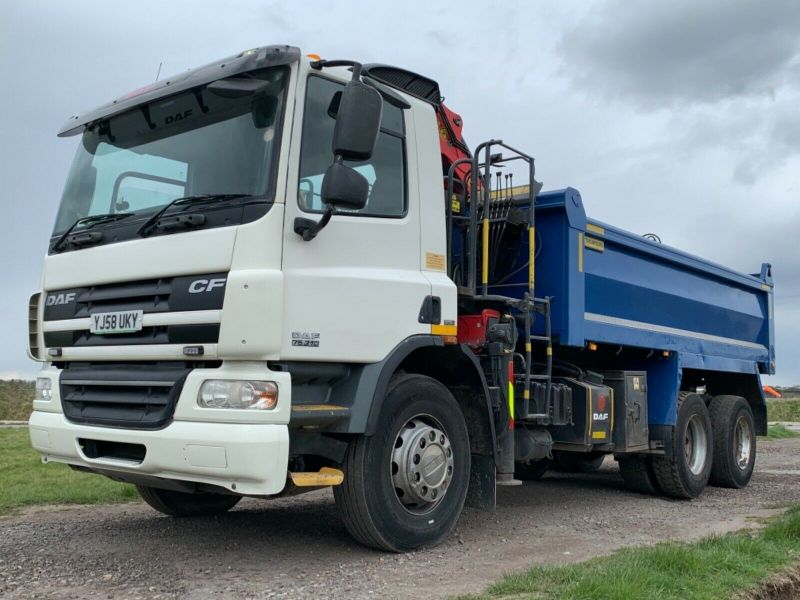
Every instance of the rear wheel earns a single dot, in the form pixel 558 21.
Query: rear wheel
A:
pixel 578 462
pixel 531 471
pixel 405 486
pixel 685 473
pixel 182 504
pixel 637 473
pixel 734 435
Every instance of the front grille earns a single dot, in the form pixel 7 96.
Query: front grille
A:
pixel 166 334
pixel 183 294
pixel 167 294
pixel 140 395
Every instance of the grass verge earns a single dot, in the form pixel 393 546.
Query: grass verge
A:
pixel 783 410
pixel 24 480
pixel 16 397
pixel 715 567
pixel 778 431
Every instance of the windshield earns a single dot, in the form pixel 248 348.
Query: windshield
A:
pixel 203 141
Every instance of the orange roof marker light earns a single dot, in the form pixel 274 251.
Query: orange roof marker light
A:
pixel 314 56
pixel 771 391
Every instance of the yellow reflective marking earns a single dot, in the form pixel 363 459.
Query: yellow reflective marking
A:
pixel 317 407
pixel 594 244
pixel 595 229
pixel 528 347
pixel 532 256
pixel 549 351
pixel 511 400
pixel 444 329
pixel 598 435
pixel 526 394
pixel 485 253
pixel 580 253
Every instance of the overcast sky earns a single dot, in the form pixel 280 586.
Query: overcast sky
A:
pixel 676 117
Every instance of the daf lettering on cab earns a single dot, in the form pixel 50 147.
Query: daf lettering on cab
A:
pixel 277 273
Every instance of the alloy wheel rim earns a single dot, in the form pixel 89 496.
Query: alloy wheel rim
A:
pixel 421 464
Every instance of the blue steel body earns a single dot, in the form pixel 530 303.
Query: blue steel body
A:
pixel 622 289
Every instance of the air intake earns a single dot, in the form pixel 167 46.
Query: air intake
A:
pixel 416 85
pixel 33 327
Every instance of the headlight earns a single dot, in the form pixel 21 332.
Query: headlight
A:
pixel 44 388
pixel 219 393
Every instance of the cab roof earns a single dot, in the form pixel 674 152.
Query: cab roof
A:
pixel 249 60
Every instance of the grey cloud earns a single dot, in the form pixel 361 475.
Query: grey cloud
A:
pixel 683 51
pixel 778 140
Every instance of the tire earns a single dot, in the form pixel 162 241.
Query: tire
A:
pixel 531 471
pixel 381 501
pixel 578 462
pixel 734 435
pixel 183 504
pixel 637 474
pixel 679 475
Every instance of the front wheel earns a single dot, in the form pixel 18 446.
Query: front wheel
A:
pixel 405 486
pixel 182 504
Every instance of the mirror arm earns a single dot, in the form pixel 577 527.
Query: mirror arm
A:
pixel 308 229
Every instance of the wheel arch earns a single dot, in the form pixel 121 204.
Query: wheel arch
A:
pixel 458 369
pixel 719 383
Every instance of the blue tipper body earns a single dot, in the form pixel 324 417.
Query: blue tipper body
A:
pixel 610 286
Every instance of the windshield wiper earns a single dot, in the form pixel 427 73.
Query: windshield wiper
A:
pixel 151 223
pixel 91 221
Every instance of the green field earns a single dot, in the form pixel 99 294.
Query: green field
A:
pixel 15 399
pixel 714 568
pixel 24 480
pixel 779 432
pixel 783 410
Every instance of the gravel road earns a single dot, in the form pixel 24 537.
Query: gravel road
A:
pixel 298 548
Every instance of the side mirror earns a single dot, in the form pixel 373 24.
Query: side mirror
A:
pixel 343 187
pixel 358 121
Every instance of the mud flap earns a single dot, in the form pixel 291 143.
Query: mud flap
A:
pixel 482 490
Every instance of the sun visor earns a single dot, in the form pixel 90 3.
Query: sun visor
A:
pixel 249 60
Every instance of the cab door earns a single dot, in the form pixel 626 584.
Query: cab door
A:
pixel 356 290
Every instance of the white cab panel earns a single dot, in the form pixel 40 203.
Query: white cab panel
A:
pixel 357 288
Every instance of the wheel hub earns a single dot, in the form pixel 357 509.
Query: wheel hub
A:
pixel 742 443
pixel 695 445
pixel 422 464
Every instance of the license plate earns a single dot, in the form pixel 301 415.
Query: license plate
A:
pixel 126 321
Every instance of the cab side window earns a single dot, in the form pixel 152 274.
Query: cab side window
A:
pixel 385 171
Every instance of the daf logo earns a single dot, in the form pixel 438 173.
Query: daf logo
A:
pixel 54 299
pixel 179 117
pixel 205 285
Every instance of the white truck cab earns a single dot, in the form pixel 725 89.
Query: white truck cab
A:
pixel 168 345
